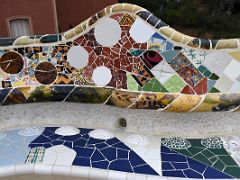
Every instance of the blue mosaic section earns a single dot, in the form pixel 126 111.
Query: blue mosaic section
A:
pixel 178 165
pixel 109 154
pixel 14 148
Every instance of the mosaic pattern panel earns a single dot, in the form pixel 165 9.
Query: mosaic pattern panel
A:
pixel 204 158
pixel 125 49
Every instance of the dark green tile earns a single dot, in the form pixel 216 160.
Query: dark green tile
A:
pixel 154 86
pixel 196 143
pixel 228 160
pixel 207 73
pixel 214 90
pixel 201 158
pixel 195 150
pixel 219 165
pixel 234 171
pixel 221 151
pixel 136 52
pixel 214 77
pixel 213 159
pixel 205 43
pixel 207 153
pixel 202 69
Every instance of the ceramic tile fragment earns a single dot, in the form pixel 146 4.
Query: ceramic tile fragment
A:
pixel 140 31
pixel 108 36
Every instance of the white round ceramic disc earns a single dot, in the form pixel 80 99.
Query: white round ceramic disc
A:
pixel 102 134
pixel 101 76
pixel 108 32
pixel 67 131
pixel 78 57
pixel 141 32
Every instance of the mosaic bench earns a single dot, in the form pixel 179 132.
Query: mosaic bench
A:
pixel 126 57
pixel 123 56
pixel 105 154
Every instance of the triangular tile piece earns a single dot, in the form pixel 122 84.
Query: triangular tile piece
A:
pixel 187 90
pixel 169 55
pixel 154 86
pixel 201 87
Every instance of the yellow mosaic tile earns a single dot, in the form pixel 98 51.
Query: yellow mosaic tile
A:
pixel 184 103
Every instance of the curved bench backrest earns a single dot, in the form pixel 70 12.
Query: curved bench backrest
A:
pixel 126 57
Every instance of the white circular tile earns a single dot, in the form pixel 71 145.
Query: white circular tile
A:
pixel 108 32
pixel 102 134
pixel 137 140
pixel 67 131
pixel 2 135
pixel 78 57
pixel 141 32
pixel 101 76
pixel 31 131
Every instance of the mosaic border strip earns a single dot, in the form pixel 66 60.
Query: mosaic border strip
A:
pixel 150 18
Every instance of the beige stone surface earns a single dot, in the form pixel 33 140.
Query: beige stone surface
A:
pixel 101 116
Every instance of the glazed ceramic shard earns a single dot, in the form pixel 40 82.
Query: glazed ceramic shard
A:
pixel 101 76
pixel 78 57
pixel 126 57
pixel 67 131
pixel 108 32
pixel 102 134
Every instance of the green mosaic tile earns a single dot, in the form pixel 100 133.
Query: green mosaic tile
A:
pixel 131 83
pixel 136 52
pixel 228 160
pixel 207 73
pixel 202 159
pixel 194 150
pixel 217 158
pixel 219 165
pixel 220 152
pixel 214 90
pixel 202 69
pixel 214 77
pixel 213 159
pixel 207 153
pixel 175 84
pixel 154 86
pixel 234 171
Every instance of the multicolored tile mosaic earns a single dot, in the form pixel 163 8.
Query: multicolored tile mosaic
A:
pixel 125 49
pixel 205 158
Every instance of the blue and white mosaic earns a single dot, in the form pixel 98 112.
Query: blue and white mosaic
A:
pixel 133 153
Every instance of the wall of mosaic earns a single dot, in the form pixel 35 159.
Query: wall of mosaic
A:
pixel 126 57
pixel 146 155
